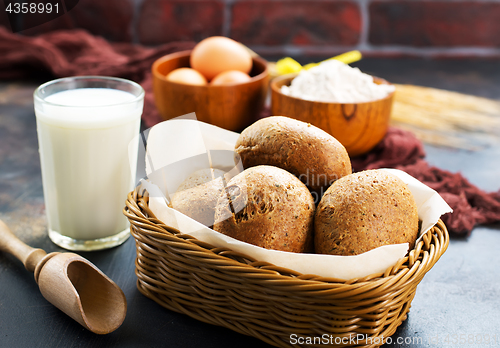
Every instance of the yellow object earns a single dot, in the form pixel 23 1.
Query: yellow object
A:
pixel 289 65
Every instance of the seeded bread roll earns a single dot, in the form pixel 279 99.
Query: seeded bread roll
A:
pixel 304 150
pixel 363 211
pixel 268 207
pixel 197 196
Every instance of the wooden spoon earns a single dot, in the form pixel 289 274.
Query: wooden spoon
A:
pixel 72 284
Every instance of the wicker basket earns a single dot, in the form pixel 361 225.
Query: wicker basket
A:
pixel 222 287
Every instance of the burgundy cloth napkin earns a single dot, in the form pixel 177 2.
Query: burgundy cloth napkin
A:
pixel 76 52
pixel 402 150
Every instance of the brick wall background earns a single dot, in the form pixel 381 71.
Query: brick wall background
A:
pixel 274 28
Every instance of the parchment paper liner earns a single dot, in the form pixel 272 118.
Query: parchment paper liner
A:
pixel 178 147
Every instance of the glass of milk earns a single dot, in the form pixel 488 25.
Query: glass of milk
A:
pixel 85 127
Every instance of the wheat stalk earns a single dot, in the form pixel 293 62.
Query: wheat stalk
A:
pixel 447 118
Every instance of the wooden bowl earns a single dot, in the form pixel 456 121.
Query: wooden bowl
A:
pixel 232 107
pixel 358 126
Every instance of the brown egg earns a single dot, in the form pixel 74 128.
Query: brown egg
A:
pixel 187 76
pixel 218 54
pixel 230 77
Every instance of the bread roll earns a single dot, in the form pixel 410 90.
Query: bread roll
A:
pixel 268 207
pixel 304 150
pixel 197 196
pixel 363 211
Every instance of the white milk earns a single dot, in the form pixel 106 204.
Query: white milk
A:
pixel 83 137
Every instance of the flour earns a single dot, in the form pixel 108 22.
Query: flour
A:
pixel 335 82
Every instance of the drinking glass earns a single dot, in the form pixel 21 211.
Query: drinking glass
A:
pixel 87 127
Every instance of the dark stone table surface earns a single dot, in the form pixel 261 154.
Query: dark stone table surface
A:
pixel 457 304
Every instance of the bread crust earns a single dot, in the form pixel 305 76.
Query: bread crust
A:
pixel 268 207
pixel 306 151
pixel 363 211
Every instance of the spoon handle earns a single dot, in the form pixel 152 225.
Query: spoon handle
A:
pixel 27 255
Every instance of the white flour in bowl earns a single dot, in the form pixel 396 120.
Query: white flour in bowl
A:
pixel 335 82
